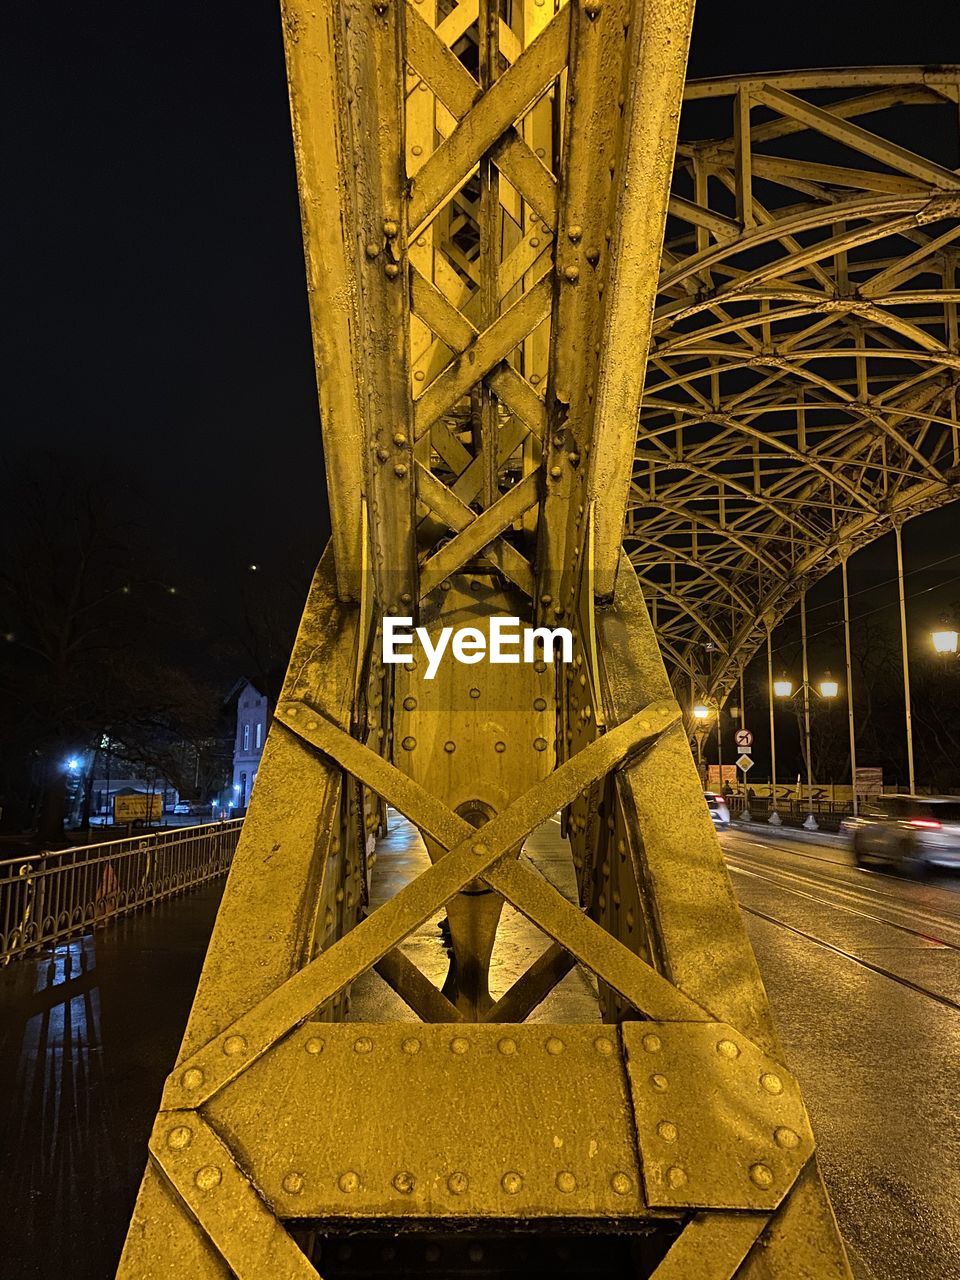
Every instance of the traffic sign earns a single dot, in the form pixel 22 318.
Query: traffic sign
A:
pixel 744 763
pixel 744 738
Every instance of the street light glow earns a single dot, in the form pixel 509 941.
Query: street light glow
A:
pixel 945 641
pixel 829 688
pixel 700 712
pixel 783 687
pixel 73 764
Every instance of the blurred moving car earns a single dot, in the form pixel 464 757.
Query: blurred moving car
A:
pixel 911 833
pixel 182 807
pixel 718 809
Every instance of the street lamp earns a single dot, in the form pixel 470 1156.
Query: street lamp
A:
pixel 701 714
pixel 826 688
pixel 945 640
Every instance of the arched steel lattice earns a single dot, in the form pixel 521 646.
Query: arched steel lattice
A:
pixel 801 391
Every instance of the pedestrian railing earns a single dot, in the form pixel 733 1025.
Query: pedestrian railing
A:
pixel 52 896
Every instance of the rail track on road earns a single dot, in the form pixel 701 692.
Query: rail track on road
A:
pixel 877 902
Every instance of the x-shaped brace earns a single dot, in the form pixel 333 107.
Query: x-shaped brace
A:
pixel 470 854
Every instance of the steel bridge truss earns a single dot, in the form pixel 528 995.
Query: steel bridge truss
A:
pixel 484 194
pixel 801 392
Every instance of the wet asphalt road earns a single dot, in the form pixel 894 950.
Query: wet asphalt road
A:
pixel 863 973
pixel 862 970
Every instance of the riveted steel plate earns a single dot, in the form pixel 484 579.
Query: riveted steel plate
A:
pixel 720 1124
pixel 441 1121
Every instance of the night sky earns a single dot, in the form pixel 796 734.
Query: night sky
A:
pixel 155 313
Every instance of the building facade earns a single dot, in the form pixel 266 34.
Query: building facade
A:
pixel 252 717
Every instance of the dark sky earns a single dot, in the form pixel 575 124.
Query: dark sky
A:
pixel 154 309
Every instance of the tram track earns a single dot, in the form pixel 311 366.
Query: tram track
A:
pixel 850 955
pixel 872 904
pixel 787 881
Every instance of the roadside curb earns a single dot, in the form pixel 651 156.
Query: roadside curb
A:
pixel 789 833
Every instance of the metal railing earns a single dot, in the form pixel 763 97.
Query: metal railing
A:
pixel 828 813
pixel 51 896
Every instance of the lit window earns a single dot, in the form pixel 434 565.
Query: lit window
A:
pixel 259 735
pixel 246 737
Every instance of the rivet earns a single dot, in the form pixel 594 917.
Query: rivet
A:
pixel 404 1182
pixel 500 747
pixel 390 229
pixel 676 1176
pixel 727 1049
pixel 419 375
pixel 772 1083
pixel 363 1045
pixel 234 1045
pixel 293 1183
pixel 179 1137
pixel 371 249
pixel 406 598
pixel 314 1045
pixel 603 1046
pixel 572 273
pixel 411 1045
pixel 507 1046
pixel 474 693
pixel 667 1131
pixel 659 1082
pixel 417 149
pixel 539 704
pixel 540 744
pixel 554 1046
pixel 192 1078
pixel 556 472
pixel 459 1045
pixel 312 724
pixel 208 1177
pixel 621 1184
pixel 400 470
pixel 592 8
pixel 293 712
pixel 575 233
pixel 458 1183
pixel 761 1176
pixel 652 1044
pixel 566 1182
pixel 408 743
pixel 449 747
pixel 511 1182
pixel 786 1138
pixel 348 1181
pixel 409 704
pixel 391 271
pixel 399 439
pixel 480 849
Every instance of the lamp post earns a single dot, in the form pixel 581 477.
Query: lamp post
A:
pixel 826 689
pixel 906 659
pixel 774 818
pixel 850 721
pixel 701 714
